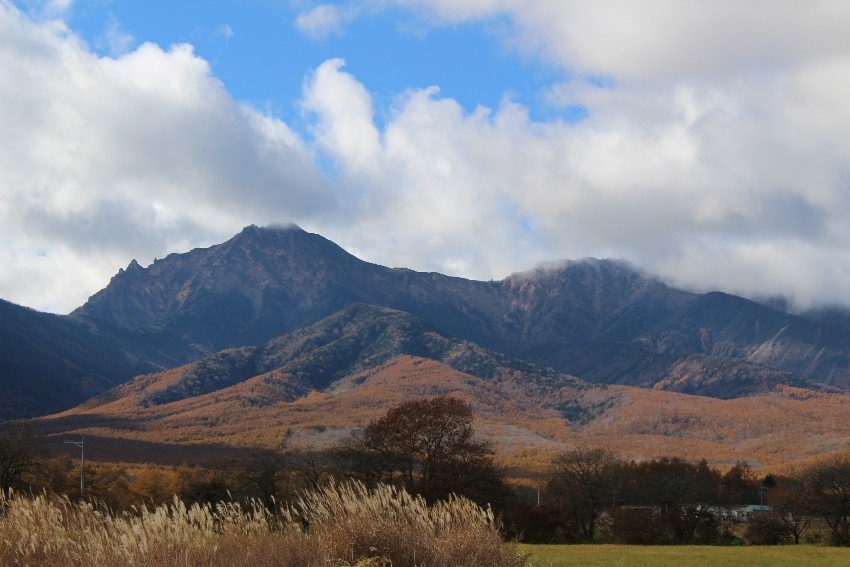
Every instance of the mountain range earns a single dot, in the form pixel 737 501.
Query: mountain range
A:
pixel 275 314
pixel 601 320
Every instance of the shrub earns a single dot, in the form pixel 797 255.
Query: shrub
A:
pixel 766 530
pixel 637 526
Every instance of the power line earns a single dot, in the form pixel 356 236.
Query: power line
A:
pixel 81 444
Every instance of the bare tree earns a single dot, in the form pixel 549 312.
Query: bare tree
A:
pixel 264 475
pixel 351 458
pixel 828 495
pixel 311 466
pixel 788 501
pixel 17 453
pixel 584 482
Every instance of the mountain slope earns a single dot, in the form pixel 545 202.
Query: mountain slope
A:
pixel 636 330
pixel 51 362
pixel 333 355
pixel 243 291
pixel 232 394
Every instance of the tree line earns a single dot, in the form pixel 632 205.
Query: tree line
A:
pixel 593 495
pixel 429 447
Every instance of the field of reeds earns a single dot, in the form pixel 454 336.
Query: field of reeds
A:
pixel 339 525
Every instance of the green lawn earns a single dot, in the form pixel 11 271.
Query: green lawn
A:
pixel 683 556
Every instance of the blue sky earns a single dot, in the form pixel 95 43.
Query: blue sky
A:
pixel 702 141
pixel 256 48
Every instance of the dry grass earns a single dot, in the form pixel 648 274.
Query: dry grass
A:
pixel 339 525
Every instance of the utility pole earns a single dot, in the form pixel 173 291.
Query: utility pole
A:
pixel 81 444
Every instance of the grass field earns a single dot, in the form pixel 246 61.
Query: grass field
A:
pixel 683 556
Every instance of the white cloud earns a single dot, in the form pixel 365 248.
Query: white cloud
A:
pixel 49 8
pixel 321 21
pixel 134 156
pixel 346 128
pixel 115 40
pixel 224 31
pixel 659 40
pixel 719 166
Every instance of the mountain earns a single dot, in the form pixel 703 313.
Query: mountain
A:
pixel 603 321
pixel 268 281
pixel 578 317
pixel 249 289
pixel 607 322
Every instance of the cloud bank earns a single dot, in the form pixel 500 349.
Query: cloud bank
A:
pixel 713 152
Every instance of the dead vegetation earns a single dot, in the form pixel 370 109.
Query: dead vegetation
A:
pixel 344 524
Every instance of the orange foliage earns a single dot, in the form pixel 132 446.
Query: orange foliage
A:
pixel 526 423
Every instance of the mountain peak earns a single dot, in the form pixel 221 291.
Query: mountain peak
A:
pixel 589 264
pixel 261 283
pixel 284 239
pixel 132 267
pixel 253 230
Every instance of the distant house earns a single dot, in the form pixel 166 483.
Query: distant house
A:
pixel 747 513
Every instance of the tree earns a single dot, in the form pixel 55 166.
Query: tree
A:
pixel 584 482
pixel 740 485
pixel 107 484
pixel 351 458
pixel 431 443
pixel 263 475
pixel 17 453
pixel 766 529
pixel 153 486
pixel 677 492
pixel 311 467
pixel 828 495
pixel 788 501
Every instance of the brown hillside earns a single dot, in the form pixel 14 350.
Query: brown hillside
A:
pixel 526 424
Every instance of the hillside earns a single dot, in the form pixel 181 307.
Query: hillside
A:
pixel 771 430
pixel 362 358
pixel 318 384
pixel 50 362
